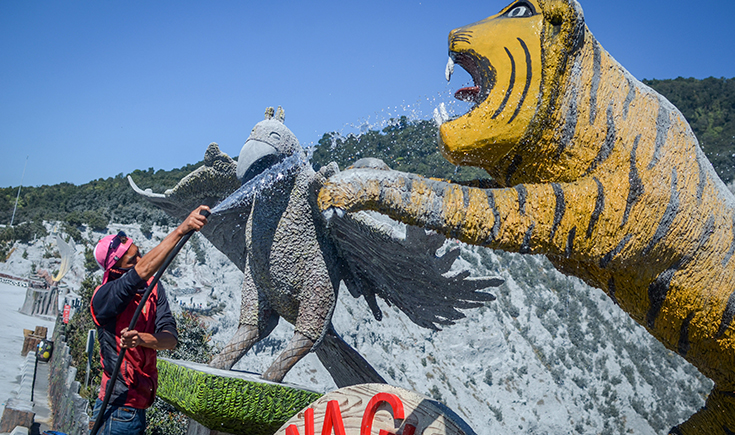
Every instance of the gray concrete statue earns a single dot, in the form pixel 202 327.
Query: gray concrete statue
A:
pixel 293 262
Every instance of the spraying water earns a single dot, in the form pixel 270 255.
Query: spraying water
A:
pixel 248 191
pixel 416 111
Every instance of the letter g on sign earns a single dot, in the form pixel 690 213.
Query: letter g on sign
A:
pixel 367 419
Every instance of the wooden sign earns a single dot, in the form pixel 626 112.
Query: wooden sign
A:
pixel 375 409
pixel 67 311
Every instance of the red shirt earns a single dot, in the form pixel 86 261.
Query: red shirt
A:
pixel 113 305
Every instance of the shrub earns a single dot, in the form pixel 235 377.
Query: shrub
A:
pixel 73 232
pixel 147 229
pixel 496 412
pixel 196 245
pixel 76 338
pixel 488 377
pixel 23 232
pixel 194 340
pixel 164 419
pixel 75 219
pixel 96 220
pixel 435 393
pixel 90 263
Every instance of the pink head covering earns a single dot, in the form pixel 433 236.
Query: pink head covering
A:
pixel 110 249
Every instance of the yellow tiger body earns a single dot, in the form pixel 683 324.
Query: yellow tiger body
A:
pixel 604 176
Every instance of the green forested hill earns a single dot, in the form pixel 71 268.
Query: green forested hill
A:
pixel 708 104
pixel 95 202
pixel 404 146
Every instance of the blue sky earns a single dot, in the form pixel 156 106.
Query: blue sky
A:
pixel 93 89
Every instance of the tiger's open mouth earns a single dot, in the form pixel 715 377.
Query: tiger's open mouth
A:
pixel 476 94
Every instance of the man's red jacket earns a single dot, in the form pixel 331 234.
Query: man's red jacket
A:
pixel 112 307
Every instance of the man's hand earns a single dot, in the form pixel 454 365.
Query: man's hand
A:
pixel 195 221
pixel 159 341
pixel 149 263
pixel 129 339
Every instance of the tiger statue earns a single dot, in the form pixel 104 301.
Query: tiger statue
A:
pixel 595 170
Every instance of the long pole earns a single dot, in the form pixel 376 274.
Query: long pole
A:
pixel 133 321
pixel 18 195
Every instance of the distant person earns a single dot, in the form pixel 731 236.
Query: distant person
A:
pixel 126 277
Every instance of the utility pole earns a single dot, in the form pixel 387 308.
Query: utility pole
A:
pixel 18 196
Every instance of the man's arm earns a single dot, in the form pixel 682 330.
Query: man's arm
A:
pixel 160 341
pixel 152 261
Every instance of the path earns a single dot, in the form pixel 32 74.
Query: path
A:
pixel 12 323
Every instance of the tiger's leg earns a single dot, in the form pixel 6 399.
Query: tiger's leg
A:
pixel 552 218
pixel 257 320
pixel 717 417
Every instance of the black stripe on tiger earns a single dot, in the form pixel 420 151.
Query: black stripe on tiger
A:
pixel 496 215
pixel 510 85
pixel 512 168
pixel 559 210
pixel 457 230
pixel 466 197
pixel 522 194
pixel 628 98
pixel 526 245
pixel 634 181
pixel 461 36
pixel 684 345
pixel 668 217
pixel 611 291
pixel 658 290
pixel 663 123
pixel 607 258
pixel 570 242
pixel 407 191
pixel 608 144
pixel 729 253
pixel 597 61
pixel 529 74
pixel 727 316
pixel 599 207
pixel 572 116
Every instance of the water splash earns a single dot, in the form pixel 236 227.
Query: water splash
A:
pixel 248 191
pixel 419 110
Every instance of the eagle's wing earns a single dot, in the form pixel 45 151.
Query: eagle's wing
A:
pixel 208 185
pixel 401 266
pixel 404 270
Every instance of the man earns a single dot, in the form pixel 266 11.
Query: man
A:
pixel 127 275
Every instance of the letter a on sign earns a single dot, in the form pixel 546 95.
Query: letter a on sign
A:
pixel 333 420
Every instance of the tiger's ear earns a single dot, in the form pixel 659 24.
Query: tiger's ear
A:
pixel 269 113
pixel 280 115
pixel 565 22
